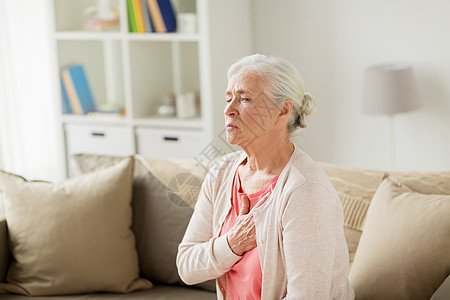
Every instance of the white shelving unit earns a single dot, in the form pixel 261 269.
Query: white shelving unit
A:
pixel 137 69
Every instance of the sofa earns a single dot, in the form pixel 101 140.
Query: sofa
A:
pixel 396 225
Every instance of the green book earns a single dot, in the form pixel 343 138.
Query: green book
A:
pixel 131 16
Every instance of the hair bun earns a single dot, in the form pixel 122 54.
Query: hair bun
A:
pixel 307 108
pixel 308 104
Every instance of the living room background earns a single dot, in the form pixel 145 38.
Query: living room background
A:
pixel 330 42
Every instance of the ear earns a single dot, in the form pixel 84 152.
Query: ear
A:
pixel 286 108
pixel 285 112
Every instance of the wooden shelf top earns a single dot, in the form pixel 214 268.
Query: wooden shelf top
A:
pixel 116 35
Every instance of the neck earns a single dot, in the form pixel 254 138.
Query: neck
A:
pixel 269 156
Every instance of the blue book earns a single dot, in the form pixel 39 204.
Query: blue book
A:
pixel 82 88
pixel 168 15
pixel 66 107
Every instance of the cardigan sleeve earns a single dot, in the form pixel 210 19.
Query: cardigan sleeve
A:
pixel 311 225
pixel 201 256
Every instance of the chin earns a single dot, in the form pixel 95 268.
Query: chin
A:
pixel 232 139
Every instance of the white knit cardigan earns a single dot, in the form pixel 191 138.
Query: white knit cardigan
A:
pixel 299 231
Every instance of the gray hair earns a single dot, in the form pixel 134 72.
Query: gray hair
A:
pixel 283 82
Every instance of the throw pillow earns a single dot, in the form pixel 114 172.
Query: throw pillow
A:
pixel 443 291
pixel 4 252
pixel 164 193
pixel 73 237
pixel 403 252
pixel 355 187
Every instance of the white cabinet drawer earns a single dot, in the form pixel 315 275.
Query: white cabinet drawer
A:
pixel 108 140
pixel 169 143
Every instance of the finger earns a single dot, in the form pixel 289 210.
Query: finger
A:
pixel 262 201
pixel 245 205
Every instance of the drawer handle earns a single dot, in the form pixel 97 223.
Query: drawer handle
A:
pixel 171 138
pixel 101 134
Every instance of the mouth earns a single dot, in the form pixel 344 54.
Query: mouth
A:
pixel 231 126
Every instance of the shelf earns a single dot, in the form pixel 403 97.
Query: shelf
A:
pixel 88 35
pixel 163 122
pixel 195 123
pixel 85 119
pixel 175 37
pixel 98 36
pixel 139 70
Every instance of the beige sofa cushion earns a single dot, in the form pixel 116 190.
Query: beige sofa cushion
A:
pixel 404 249
pixel 355 187
pixel 443 292
pixel 73 237
pixel 164 193
pixel 4 251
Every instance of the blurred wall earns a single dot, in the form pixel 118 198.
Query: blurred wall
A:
pixel 332 42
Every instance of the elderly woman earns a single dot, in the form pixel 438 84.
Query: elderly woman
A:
pixel 268 224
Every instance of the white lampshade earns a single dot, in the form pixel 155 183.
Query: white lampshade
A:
pixel 390 89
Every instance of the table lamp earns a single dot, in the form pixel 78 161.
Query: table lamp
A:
pixel 390 89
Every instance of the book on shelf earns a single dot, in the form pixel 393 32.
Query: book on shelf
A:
pixel 151 16
pixel 138 16
pixel 66 107
pixel 71 92
pixel 146 15
pixel 162 15
pixel 155 14
pixel 168 15
pixel 78 90
pixel 131 17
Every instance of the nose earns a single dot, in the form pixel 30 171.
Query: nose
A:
pixel 231 109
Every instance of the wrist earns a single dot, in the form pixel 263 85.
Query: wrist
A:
pixel 233 247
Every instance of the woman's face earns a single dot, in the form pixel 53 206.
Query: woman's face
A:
pixel 249 114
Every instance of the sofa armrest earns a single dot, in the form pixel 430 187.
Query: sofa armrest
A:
pixel 4 251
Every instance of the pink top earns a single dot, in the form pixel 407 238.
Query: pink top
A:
pixel 245 277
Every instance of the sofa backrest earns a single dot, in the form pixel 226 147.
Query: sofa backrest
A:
pixel 424 182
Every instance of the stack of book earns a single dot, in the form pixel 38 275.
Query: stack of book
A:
pixel 151 16
pixel 109 110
